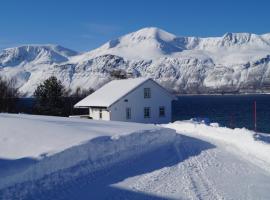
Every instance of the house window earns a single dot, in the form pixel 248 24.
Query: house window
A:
pixel 161 111
pixel 147 112
pixel 100 113
pixel 147 93
pixel 128 113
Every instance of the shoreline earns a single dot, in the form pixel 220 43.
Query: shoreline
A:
pixel 227 94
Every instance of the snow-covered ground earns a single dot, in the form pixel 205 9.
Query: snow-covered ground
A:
pixel 65 158
pixel 36 136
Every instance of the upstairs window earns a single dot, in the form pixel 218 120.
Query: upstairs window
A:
pixel 161 111
pixel 147 112
pixel 147 93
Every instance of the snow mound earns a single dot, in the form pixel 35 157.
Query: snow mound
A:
pixel 85 145
pixel 253 146
pixel 35 136
pixel 131 161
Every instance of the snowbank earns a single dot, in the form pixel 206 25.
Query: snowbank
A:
pixel 253 146
pixel 88 159
pixel 38 136
pixel 97 145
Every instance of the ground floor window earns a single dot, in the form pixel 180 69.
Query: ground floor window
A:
pixel 161 111
pixel 100 113
pixel 147 112
pixel 128 113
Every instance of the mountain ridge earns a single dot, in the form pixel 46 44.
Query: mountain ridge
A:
pixel 232 63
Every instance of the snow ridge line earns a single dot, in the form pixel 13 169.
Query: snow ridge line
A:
pixel 94 155
pixel 252 146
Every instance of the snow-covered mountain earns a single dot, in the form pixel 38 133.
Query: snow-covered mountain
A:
pixel 235 62
pixel 34 54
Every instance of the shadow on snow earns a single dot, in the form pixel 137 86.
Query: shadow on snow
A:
pixel 10 167
pixel 99 184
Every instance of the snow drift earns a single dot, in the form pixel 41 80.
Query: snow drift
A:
pixel 97 145
pixel 38 136
pixel 252 146
pixel 86 159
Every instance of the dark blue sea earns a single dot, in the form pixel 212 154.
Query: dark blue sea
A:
pixel 228 110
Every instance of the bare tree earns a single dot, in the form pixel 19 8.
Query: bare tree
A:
pixel 9 95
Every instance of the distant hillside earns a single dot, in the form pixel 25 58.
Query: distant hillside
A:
pixel 233 63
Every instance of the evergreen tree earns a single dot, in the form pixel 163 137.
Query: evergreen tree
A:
pixel 50 97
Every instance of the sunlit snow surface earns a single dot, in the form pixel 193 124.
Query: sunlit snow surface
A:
pixel 33 136
pixel 61 158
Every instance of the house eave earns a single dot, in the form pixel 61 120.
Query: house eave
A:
pixel 90 107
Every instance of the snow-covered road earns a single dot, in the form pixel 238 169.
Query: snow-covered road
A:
pixel 205 170
pixel 200 162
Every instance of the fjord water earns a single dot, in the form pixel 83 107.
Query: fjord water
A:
pixel 228 110
pixel 235 111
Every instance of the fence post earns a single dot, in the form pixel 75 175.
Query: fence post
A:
pixel 255 116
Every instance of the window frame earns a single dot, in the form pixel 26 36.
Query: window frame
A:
pixel 145 111
pixel 147 93
pixel 164 111
pixel 128 113
pixel 100 113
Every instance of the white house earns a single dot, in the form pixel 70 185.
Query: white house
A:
pixel 133 100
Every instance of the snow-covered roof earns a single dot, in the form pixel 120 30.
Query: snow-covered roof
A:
pixel 110 93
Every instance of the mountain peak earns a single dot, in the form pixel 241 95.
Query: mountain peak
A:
pixel 232 62
pixel 39 47
pixel 239 36
pixel 146 43
pixel 230 39
pixel 39 53
pixel 152 33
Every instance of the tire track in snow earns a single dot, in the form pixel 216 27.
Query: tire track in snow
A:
pixel 199 184
pixel 186 179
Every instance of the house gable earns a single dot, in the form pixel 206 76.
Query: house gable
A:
pixel 155 84
pixel 134 104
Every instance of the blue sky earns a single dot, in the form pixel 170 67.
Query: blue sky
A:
pixel 83 25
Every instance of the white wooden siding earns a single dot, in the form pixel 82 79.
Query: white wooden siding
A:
pixel 136 101
pixel 94 113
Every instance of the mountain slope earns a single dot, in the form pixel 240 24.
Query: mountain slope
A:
pixel 235 62
pixel 38 54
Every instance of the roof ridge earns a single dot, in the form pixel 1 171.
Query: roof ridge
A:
pixel 146 79
pixel 109 94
